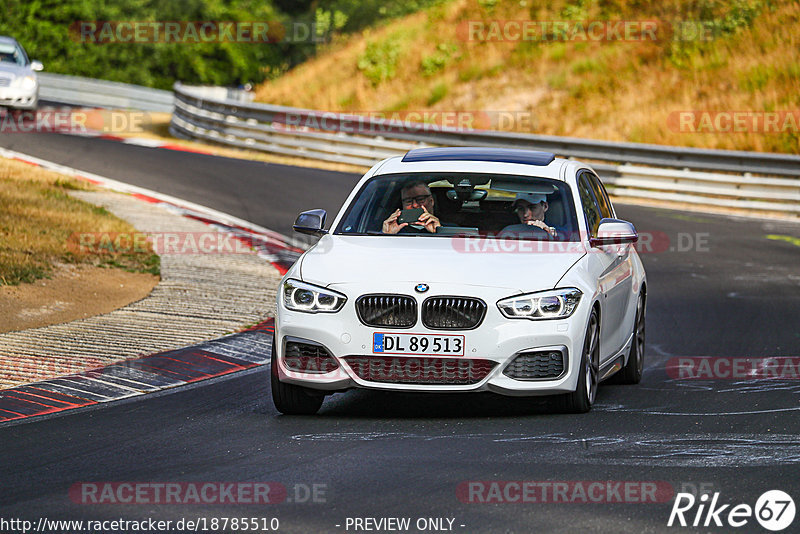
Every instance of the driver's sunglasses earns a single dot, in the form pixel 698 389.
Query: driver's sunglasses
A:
pixel 410 201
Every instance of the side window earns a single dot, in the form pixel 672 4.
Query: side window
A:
pixel 600 194
pixel 22 57
pixel 590 208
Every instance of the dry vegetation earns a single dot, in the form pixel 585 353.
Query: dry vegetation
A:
pixel 613 90
pixel 37 218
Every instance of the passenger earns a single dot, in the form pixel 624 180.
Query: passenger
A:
pixel 414 195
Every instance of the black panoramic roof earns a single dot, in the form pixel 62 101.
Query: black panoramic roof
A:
pixel 469 153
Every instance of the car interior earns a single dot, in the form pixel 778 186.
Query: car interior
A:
pixel 492 215
pixel 9 54
pixel 466 205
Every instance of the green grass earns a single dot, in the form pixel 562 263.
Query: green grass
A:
pixel 473 72
pixel 438 92
pixel 587 65
pixel 556 51
pixel 557 80
pixel 399 105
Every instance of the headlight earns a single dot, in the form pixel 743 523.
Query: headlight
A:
pixel 554 304
pixel 299 296
pixel 26 82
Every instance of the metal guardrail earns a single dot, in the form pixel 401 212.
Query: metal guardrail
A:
pixel 630 170
pixel 215 110
pixel 100 93
pixel 89 92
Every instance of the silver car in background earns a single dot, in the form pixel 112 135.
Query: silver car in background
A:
pixel 19 85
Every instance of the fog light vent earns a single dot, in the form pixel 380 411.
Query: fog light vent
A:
pixel 536 365
pixel 308 358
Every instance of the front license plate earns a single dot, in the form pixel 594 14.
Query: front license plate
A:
pixel 392 343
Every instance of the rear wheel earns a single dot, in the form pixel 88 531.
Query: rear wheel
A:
pixel 290 399
pixel 581 400
pixel 632 372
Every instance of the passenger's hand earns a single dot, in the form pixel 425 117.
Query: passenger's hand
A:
pixel 390 225
pixel 429 221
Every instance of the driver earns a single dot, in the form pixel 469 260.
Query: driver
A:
pixel 416 194
pixel 530 208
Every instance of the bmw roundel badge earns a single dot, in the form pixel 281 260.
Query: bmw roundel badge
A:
pixel 421 288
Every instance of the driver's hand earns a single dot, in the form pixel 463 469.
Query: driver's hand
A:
pixel 429 221
pixel 390 225
pixel 543 226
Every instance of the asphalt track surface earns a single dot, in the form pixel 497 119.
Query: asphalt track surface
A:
pixel 736 294
pixel 267 194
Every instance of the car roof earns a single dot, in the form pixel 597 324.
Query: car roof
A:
pixel 7 39
pixel 477 160
pixel 469 153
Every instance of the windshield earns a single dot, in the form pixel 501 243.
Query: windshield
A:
pixel 10 53
pixel 465 204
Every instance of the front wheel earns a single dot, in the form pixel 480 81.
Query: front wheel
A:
pixel 581 400
pixel 290 399
pixel 632 372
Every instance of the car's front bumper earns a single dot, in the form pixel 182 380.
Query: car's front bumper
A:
pixel 497 340
pixel 18 98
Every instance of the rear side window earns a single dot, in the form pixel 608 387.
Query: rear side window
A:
pixel 600 194
pixel 590 208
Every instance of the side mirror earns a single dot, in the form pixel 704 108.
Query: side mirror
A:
pixel 311 222
pixel 614 232
pixel 37 65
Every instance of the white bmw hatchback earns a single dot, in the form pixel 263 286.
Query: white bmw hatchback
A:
pixel 463 270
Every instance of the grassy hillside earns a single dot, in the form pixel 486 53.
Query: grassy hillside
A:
pixel 619 90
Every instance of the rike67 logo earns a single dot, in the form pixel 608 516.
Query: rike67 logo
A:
pixel 774 510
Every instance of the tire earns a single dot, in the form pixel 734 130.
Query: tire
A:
pixel 581 400
pixel 632 372
pixel 290 399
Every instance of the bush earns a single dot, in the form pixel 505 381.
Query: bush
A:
pixel 439 92
pixel 436 62
pixel 379 60
pixel 48 31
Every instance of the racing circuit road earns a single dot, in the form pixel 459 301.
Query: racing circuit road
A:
pixel 736 294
